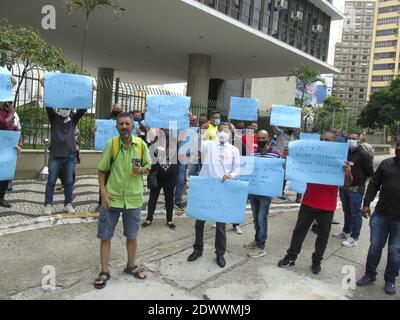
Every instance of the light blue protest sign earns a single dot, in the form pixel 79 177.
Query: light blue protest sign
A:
pixel 267 177
pixel 317 162
pixel 6 93
pixel 210 199
pixel 245 109
pixel 8 154
pixel 64 90
pixel 285 116
pixel 309 136
pixel 299 187
pixel 167 112
pixel 105 130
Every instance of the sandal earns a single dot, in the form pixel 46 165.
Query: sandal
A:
pixel 101 280
pixel 146 223
pixel 171 225
pixel 136 274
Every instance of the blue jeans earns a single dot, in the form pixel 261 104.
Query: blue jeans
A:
pixel 180 182
pixel 383 228
pixel 55 163
pixel 352 202
pixel 260 207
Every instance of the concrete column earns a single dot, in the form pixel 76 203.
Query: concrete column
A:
pixel 104 100
pixel 199 81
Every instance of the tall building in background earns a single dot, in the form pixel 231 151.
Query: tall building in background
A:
pixel 386 41
pixel 353 54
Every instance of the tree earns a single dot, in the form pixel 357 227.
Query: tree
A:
pixel 305 75
pixel 88 7
pixel 23 45
pixel 383 108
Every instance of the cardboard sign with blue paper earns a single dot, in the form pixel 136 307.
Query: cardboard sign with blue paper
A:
pixel 245 109
pixel 310 136
pixel 299 187
pixel 64 90
pixel 285 116
pixel 317 162
pixel 167 112
pixel 8 154
pixel 105 130
pixel 267 177
pixel 210 199
pixel 6 91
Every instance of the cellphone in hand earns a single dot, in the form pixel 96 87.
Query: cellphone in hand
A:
pixel 136 162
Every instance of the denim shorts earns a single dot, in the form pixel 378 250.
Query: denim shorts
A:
pixel 108 220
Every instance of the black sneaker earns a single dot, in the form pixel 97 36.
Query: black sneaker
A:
pixel 286 262
pixel 316 268
pixel 4 203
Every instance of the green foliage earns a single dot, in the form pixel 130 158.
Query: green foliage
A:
pixel 87 136
pixel 383 107
pixel 33 120
pixel 333 103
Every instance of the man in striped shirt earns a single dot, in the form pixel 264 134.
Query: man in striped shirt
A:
pixel 260 204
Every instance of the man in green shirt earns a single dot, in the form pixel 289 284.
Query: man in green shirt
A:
pixel 125 160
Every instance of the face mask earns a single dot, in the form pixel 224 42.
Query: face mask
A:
pixel 223 137
pixel 64 113
pixel 262 144
pixel 217 122
pixel 352 144
pixel 136 119
pixel 116 113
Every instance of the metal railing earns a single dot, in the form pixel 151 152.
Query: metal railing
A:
pixel 34 122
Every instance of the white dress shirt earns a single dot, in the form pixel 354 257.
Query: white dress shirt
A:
pixel 219 159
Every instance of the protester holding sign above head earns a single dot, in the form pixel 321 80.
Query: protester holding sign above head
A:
pixel 319 203
pixel 352 196
pixel 222 161
pixel 63 144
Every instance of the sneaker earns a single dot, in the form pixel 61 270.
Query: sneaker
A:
pixel 256 253
pixel 365 280
pixel 286 262
pixel 237 230
pixel 69 209
pixel 390 288
pixel 334 221
pixel 350 242
pixel 316 268
pixel 49 210
pixel 341 235
pixel 179 206
pixel 251 245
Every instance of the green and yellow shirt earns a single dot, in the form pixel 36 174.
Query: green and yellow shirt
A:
pixel 124 187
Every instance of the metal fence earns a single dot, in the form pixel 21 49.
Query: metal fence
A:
pixel 35 126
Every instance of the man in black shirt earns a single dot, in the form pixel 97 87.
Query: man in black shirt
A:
pixel 385 222
pixel 62 155
pixel 351 197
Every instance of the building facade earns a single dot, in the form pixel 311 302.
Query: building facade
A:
pixel 353 54
pixel 300 23
pixel 384 65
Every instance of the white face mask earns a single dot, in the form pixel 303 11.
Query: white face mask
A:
pixel 223 137
pixel 64 113
pixel 352 144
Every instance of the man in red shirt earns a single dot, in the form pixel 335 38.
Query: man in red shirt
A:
pixel 319 203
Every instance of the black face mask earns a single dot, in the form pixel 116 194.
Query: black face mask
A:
pixel 261 144
pixel 116 113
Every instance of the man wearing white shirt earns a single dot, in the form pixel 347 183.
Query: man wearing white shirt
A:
pixel 220 160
